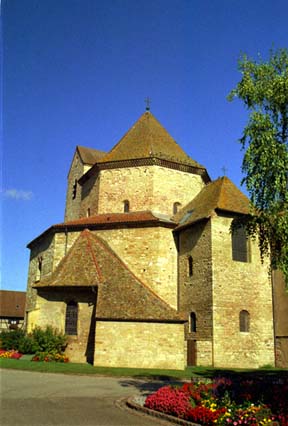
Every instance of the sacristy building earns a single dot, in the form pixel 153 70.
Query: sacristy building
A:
pixel 144 271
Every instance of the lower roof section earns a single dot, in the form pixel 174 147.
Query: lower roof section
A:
pixel 119 294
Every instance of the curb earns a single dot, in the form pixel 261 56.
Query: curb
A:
pixel 134 406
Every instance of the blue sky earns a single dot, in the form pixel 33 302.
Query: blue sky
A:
pixel 76 72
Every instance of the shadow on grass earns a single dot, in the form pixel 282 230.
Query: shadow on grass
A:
pixel 147 384
pixel 265 375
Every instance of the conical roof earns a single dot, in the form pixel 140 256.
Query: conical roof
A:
pixel 220 194
pixel 121 295
pixel 147 138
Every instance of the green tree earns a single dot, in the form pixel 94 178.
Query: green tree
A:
pixel 263 89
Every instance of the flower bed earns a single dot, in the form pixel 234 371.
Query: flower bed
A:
pixel 48 357
pixel 10 354
pixel 225 402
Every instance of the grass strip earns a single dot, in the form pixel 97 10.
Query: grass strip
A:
pixel 187 374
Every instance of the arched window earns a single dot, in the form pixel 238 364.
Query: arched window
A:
pixel 192 322
pixel 244 321
pixel 190 266
pixel 71 318
pixel 126 206
pixel 240 245
pixel 176 207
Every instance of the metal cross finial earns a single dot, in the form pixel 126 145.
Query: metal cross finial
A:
pixel 224 170
pixel 148 102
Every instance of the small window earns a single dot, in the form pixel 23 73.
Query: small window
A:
pixel 126 206
pixel 71 318
pixel 74 191
pixel 192 321
pixel 88 214
pixel 244 321
pixel 176 207
pixel 240 245
pixel 190 266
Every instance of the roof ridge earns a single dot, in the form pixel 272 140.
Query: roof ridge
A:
pixel 87 234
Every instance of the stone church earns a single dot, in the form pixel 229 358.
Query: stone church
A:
pixel 145 272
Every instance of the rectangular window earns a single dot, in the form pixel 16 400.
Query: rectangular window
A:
pixel 240 245
pixel 71 318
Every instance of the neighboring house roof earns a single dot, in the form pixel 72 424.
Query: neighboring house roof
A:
pixel 148 138
pixel 99 221
pixel 92 263
pixel 89 155
pixel 220 194
pixel 12 304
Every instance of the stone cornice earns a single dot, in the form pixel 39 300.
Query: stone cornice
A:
pixel 150 161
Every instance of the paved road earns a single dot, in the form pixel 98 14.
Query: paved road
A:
pixel 42 399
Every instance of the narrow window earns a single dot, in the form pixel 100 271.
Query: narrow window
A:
pixel 39 268
pixel 244 321
pixel 88 212
pixel 176 207
pixel 192 322
pixel 126 206
pixel 71 318
pixel 190 266
pixel 74 192
pixel 240 245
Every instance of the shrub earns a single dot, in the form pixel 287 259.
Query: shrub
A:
pixel 27 345
pixel 11 339
pixel 48 340
pixel 39 340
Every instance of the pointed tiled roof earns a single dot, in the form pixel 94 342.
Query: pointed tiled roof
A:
pixel 148 139
pixel 91 262
pixel 89 155
pixel 220 194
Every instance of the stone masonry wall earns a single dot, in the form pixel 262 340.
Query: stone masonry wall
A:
pixel 240 286
pixel 146 188
pixel 73 205
pixel 43 250
pixel 90 197
pixel 195 291
pixel 139 345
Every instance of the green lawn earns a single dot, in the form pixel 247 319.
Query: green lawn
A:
pixel 25 363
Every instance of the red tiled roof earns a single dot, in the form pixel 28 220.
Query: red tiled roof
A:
pixel 12 303
pixel 220 194
pixel 141 216
pixel 92 262
pixel 108 219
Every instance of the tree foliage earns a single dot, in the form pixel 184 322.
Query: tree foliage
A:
pixel 263 89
